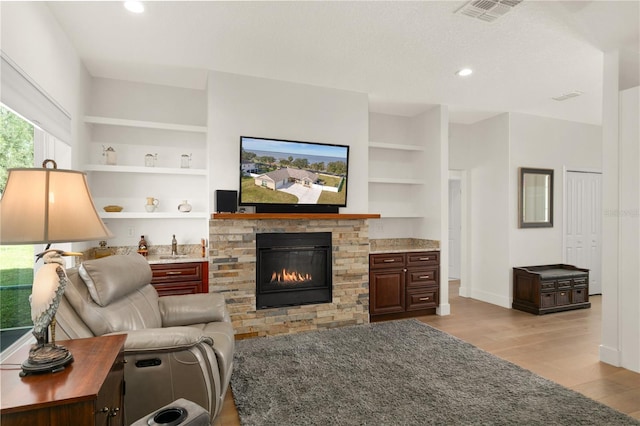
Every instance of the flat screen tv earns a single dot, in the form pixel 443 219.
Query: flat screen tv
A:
pixel 284 176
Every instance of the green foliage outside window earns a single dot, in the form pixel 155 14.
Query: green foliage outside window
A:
pixel 16 262
pixel 16 144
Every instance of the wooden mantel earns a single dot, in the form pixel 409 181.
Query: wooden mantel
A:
pixel 297 216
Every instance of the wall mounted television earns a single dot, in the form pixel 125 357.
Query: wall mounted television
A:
pixel 284 176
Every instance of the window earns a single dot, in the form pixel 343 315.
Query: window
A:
pixel 16 262
pixel 34 128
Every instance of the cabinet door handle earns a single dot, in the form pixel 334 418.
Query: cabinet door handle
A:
pixel 114 412
pixel 422 299
pixel 425 258
pixel 424 277
pixel 174 272
pixel 389 260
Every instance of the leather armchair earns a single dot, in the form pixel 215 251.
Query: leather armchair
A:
pixel 176 347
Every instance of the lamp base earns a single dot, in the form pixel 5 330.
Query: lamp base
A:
pixel 48 358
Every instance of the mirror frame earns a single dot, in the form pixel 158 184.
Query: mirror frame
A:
pixel 521 196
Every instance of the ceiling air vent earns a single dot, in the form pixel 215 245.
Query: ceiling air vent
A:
pixel 487 10
pixel 566 96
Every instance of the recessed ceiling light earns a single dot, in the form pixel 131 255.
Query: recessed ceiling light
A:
pixel 134 6
pixel 464 72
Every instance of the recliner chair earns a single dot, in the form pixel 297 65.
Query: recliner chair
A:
pixel 176 347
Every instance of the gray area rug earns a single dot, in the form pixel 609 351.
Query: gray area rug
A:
pixel 397 373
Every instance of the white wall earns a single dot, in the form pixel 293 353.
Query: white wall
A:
pixel 629 220
pixel 620 276
pixel 492 151
pixel 32 38
pixel 621 222
pixel 249 106
pixel 546 143
pixel 482 149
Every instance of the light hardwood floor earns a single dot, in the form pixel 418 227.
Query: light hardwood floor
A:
pixel 562 347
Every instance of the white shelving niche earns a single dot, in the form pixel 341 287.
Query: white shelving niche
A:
pixel 130 182
pixel 398 157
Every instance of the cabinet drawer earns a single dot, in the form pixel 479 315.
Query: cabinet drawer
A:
pixel 564 284
pixel 423 258
pixel 547 285
pixel 579 295
pixel 547 300
pixel 580 282
pixel 563 297
pixel 176 272
pixel 422 298
pixel 421 277
pixel 386 260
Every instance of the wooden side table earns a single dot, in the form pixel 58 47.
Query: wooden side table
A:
pixel 89 391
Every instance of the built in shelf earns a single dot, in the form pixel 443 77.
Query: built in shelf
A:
pixel 144 124
pixel 393 146
pixel 155 215
pixel 297 216
pixel 142 169
pixel 397 181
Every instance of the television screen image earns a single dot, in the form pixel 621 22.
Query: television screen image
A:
pixel 292 173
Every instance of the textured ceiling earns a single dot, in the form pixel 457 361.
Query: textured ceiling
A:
pixel 402 54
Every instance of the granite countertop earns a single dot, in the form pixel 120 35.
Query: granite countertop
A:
pixel 158 254
pixel 182 258
pixel 400 245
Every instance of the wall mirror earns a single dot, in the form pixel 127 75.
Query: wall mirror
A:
pixel 536 198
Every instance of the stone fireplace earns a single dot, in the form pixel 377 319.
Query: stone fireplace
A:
pixel 233 271
pixel 293 269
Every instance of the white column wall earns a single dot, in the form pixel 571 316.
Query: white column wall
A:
pixel 620 344
pixel 482 149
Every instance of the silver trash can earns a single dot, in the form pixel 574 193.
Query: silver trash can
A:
pixel 180 412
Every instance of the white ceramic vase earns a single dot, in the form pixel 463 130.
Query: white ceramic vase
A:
pixel 184 207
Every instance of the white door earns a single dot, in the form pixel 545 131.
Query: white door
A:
pixel 454 228
pixel 583 244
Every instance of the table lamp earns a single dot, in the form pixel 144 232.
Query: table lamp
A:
pixel 44 206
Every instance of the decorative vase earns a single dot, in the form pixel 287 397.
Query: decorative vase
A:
pixel 152 204
pixel 150 160
pixel 111 158
pixel 185 161
pixel 184 207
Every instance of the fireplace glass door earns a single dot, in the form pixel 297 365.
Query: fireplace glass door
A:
pixel 293 269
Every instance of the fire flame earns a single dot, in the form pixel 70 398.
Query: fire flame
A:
pixel 289 277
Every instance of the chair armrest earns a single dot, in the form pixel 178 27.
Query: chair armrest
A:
pixel 190 309
pixel 164 339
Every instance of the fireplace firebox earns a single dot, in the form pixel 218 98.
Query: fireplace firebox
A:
pixel 293 269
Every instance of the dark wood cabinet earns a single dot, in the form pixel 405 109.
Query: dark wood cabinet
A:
pixel 403 284
pixel 89 391
pixel 550 288
pixel 180 278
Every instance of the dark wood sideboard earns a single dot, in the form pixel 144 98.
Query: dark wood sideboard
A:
pixel 403 285
pixel 89 391
pixel 180 278
pixel 550 288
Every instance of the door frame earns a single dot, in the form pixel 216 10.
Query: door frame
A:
pixel 465 277
pixel 565 219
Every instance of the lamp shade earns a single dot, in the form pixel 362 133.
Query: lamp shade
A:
pixel 48 206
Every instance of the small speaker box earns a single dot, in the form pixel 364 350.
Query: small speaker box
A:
pixel 226 201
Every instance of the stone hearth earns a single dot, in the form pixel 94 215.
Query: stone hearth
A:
pixel 232 272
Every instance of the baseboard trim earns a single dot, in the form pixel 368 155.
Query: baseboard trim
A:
pixel 610 355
